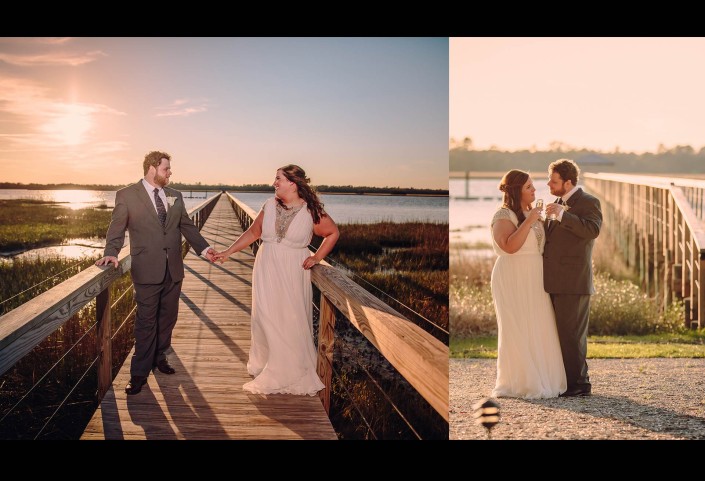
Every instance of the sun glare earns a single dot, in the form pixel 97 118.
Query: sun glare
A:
pixel 70 124
pixel 77 199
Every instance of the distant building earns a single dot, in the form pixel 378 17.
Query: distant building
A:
pixel 592 160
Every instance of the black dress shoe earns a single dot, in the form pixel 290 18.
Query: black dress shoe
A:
pixel 135 384
pixel 577 391
pixel 165 367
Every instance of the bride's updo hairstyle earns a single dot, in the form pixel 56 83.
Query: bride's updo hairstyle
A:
pixel 511 186
pixel 296 174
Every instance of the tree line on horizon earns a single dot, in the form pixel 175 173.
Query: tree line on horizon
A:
pixel 333 189
pixel 678 159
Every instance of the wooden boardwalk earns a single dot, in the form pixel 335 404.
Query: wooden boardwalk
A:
pixel 211 341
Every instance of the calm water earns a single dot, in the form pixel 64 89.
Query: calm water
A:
pixel 342 208
pixel 469 220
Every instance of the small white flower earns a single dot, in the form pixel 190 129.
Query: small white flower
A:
pixel 171 200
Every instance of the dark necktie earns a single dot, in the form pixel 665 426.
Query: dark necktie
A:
pixel 161 210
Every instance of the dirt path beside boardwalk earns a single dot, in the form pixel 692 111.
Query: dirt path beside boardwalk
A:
pixel 632 399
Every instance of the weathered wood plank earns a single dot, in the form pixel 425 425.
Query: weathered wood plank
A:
pixel 29 324
pixel 326 344
pixel 105 369
pixel 211 341
pixel 417 355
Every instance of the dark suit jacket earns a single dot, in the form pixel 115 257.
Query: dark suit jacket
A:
pixel 150 243
pixel 567 256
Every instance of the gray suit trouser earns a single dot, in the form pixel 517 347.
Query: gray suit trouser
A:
pixel 157 310
pixel 572 312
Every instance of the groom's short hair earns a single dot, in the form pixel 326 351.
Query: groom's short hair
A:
pixel 566 168
pixel 154 158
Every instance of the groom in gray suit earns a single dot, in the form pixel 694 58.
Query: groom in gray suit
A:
pixel 567 268
pixel 156 218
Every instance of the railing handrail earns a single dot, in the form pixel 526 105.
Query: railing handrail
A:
pixel 650 180
pixel 658 229
pixel 646 180
pixel 694 224
pixel 24 327
pixel 418 356
pixel 673 185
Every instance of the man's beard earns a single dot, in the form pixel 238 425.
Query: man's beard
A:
pixel 160 181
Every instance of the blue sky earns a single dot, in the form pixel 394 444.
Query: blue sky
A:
pixel 359 111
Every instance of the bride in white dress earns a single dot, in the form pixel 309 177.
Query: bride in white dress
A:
pixel 529 360
pixel 282 354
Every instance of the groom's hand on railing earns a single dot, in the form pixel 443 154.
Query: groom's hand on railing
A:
pixel 107 260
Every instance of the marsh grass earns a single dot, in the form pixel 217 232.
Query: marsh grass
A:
pixel 24 279
pixel 619 307
pixel 357 399
pixel 28 224
pixel 26 409
pixel 407 261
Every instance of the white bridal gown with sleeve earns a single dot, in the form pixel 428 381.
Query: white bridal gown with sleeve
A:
pixel 529 360
pixel 282 353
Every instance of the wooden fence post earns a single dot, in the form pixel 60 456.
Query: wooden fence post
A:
pixel 105 368
pixel 326 342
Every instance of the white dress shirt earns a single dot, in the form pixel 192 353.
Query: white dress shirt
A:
pixel 565 198
pixel 150 192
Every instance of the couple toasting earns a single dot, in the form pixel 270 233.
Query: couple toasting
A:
pixel 541 285
pixel 282 354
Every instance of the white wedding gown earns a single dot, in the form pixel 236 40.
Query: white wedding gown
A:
pixel 282 353
pixel 529 360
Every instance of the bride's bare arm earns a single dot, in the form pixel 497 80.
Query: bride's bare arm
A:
pixel 253 233
pixel 327 229
pixel 510 238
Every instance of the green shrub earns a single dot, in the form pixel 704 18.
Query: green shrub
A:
pixel 619 308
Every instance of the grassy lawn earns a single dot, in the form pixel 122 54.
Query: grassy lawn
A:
pixel 687 344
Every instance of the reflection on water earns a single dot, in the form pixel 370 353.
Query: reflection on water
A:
pixel 73 249
pixel 342 208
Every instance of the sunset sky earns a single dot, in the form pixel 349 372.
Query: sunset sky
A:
pixel 360 111
pixel 587 92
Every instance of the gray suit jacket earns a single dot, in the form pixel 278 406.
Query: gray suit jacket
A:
pixel 150 243
pixel 567 256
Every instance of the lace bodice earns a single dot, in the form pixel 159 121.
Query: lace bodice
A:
pixel 534 244
pixel 292 228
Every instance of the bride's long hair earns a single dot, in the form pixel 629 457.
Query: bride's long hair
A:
pixel 511 186
pixel 297 175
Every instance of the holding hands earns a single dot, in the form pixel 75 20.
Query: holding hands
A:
pixel 210 254
pixel 220 256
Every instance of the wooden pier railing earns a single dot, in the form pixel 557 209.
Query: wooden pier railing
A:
pixel 657 225
pixel 418 356
pixel 26 326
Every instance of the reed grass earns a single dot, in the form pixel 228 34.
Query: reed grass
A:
pixel 27 224
pixel 407 261
pixel 619 307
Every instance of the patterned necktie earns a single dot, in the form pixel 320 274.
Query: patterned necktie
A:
pixel 161 210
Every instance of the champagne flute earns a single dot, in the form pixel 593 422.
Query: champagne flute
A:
pixel 539 204
pixel 552 217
